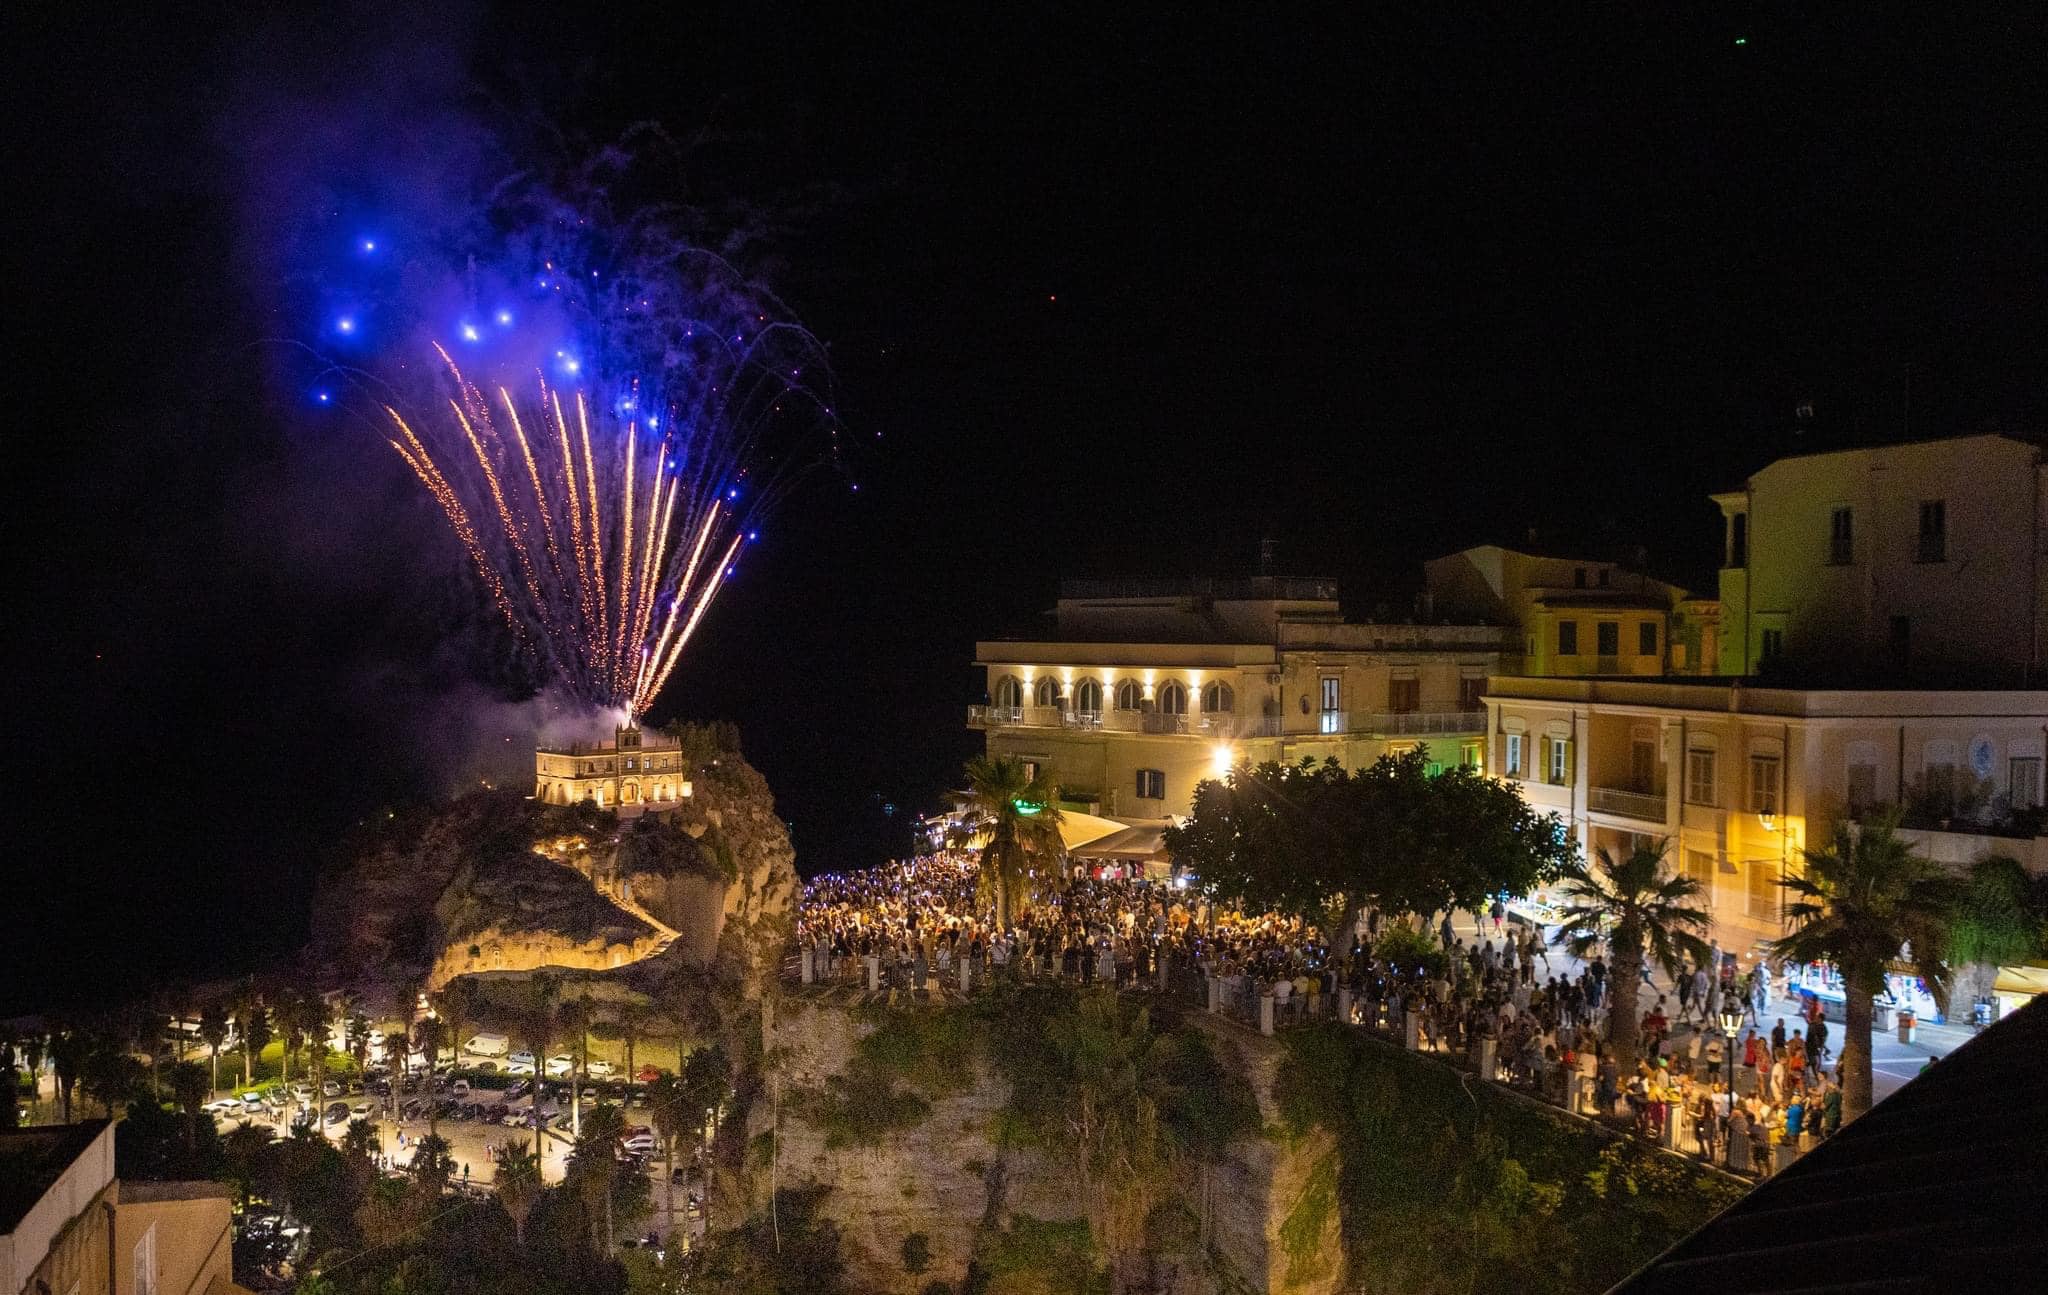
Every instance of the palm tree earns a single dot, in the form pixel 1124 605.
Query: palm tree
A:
pixel 1632 908
pixel 538 1022
pixel 518 1186
pixel 574 1018
pixel 189 1088
pixel 213 1032
pixel 1017 815
pixel 456 1005
pixel 69 1049
pixel 1863 902
pixel 669 1105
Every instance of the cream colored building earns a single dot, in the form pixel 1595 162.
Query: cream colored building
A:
pixel 76 1229
pixel 635 771
pixel 1927 560
pixel 1575 616
pixel 1738 779
pixel 1144 688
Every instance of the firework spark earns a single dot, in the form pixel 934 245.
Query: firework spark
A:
pixel 607 617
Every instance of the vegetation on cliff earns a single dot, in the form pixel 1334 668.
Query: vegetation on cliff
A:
pixel 1442 1184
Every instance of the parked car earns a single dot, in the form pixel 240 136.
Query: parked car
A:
pixel 225 1106
pixel 332 1088
pixel 460 1088
pixel 561 1064
pixel 601 1068
pixel 303 1092
pixel 337 1113
pixel 516 1089
pixel 361 1110
pixel 647 1075
pixel 638 1144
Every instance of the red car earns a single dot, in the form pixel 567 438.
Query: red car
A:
pixel 647 1075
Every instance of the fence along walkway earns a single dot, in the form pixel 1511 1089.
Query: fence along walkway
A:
pixel 1252 1005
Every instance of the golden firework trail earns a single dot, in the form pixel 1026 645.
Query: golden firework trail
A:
pixel 611 613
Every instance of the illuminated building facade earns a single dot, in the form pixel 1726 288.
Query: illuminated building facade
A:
pixel 1739 779
pixel 634 771
pixel 1144 688
pixel 1919 561
pixel 1576 616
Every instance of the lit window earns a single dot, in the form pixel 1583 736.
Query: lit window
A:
pixel 1088 697
pixel 1515 768
pixel 1009 694
pixel 1047 694
pixel 1332 693
pixel 1560 761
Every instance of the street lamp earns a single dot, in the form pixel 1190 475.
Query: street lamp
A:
pixel 1731 1021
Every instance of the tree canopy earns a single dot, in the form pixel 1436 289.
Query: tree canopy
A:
pixel 1305 837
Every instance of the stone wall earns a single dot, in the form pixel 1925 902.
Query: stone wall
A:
pixel 946 1177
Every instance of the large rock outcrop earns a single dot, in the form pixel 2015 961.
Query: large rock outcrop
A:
pixel 495 881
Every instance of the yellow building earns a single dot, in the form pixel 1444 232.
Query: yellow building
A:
pixel 70 1227
pixel 1144 688
pixel 1739 778
pixel 1575 616
pixel 635 771
pixel 1928 560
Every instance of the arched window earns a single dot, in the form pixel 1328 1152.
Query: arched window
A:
pixel 1218 696
pixel 1009 693
pixel 1047 693
pixel 1129 696
pixel 1173 698
pixel 1088 697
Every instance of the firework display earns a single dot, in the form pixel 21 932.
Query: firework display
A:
pixel 610 415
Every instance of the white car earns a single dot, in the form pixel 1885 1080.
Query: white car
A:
pixel 303 1092
pixel 225 1106
pixel 331 1089
pixel 519 1063
pixel 361 1110
pixel 602 1069
pixel 561 1064
pixel 252 1104
pixel 639 1144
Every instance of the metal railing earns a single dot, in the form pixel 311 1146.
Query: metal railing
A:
pixel 1416 723
pixel 1647 806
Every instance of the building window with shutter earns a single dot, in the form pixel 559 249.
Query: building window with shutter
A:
pixel 1763 888
pixel 1560 764
pixel 1933 530
pixel 1646 639
pixel 1470 689
pixel 1404 696
pixel 1607 638
pixel 1699 866
pixel 1151 784
pixel 1763 784
pixel 1699 777
pixel 1514 765
pixel 1567 638
pixel 2023 785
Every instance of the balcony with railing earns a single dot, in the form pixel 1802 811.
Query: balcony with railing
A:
pixel 1420 723
pixel 1645 807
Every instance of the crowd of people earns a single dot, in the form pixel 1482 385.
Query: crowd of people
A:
pixel 912 928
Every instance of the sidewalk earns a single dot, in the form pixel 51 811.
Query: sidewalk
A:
pixel 1892 1063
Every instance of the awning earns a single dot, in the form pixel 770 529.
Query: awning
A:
pixel 1128 843
pixel 2022 980
pixel 1077 829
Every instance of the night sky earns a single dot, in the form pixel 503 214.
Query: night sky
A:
pixel 1121 296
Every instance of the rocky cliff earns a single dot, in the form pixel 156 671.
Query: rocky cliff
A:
pixel 495 881
pixel 955 1165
